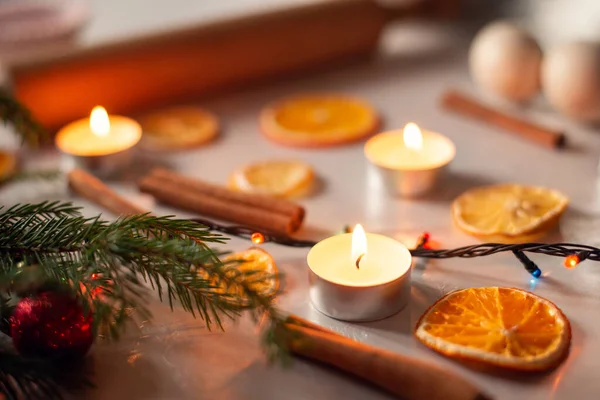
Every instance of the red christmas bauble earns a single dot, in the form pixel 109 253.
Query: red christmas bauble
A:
pixel 51 324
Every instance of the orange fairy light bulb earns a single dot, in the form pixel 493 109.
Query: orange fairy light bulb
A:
pixel 571 261
pixel 257 238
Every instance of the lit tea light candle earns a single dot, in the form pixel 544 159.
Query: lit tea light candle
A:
pixel 99 143
pixel 359 276
pixel 409 161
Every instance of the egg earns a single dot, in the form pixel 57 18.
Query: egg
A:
pixel 506 60
pixel 571 80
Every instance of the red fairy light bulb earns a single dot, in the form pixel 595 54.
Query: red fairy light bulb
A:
pixel 257 238
pixel 423 241
pixel 571 261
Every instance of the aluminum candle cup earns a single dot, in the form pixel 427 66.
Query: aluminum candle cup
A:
pixel 409 161
pixel 106 166
pixel 99 144
pixel 379 288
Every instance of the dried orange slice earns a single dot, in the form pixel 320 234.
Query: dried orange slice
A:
pixel 276 178
pixel 508 213
pixel 501 327
pixel 8 165
pixel 318 120
pixel 178 128
pixel 262 274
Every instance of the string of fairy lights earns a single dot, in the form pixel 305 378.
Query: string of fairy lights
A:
pixel 572 253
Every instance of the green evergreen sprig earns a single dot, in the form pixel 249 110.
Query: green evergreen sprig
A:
pixel 15 113
pixel 108 263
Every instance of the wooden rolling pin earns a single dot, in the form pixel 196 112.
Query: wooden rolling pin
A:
pixel 135 75
pixel 405 377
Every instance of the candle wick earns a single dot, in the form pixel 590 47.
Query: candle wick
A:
pixel 358 261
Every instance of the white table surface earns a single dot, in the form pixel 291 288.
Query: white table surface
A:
pixel 175 357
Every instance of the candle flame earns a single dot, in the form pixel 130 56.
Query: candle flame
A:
pixel 359 244
pixel 413 139
pixel 99 122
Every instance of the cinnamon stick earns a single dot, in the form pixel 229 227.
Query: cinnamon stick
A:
pixel 177 195
pixel 295 320
pixel 274 204
pixel 93 189
pixel 405 377
pixel 461 104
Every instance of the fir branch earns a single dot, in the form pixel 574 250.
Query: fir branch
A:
pixel 105 263
pixel 44 210
pixel 13 112
pixel 107 266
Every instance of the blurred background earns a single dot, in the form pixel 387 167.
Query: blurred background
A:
pixel 98 21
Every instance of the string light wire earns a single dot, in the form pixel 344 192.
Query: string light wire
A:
pixel 573 253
